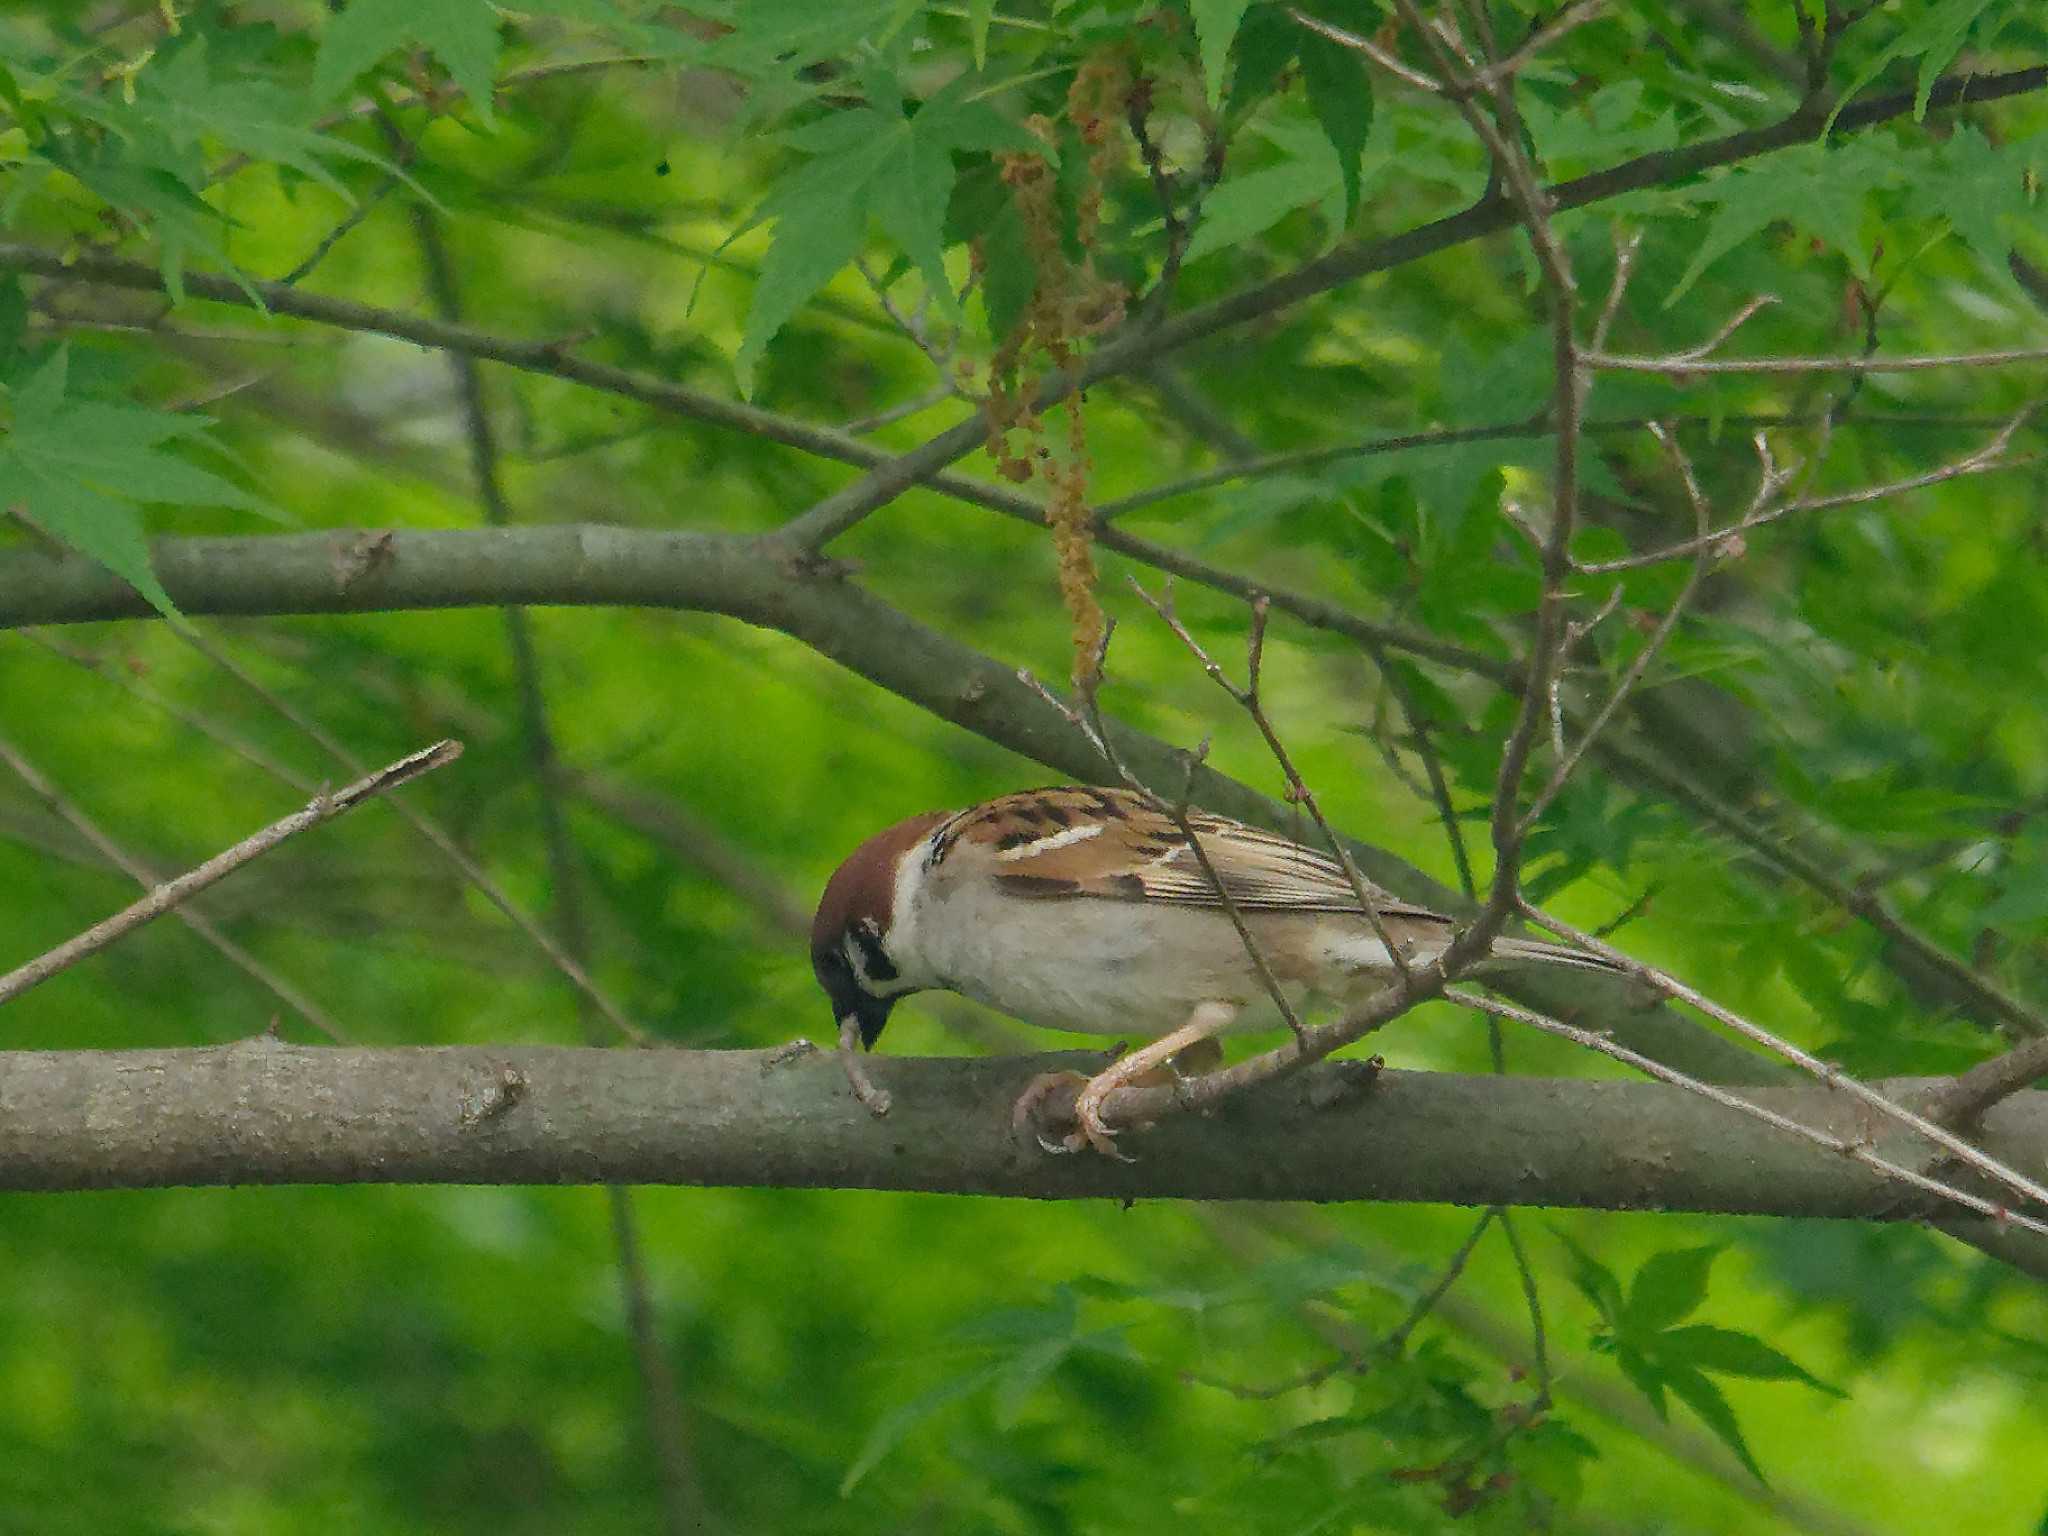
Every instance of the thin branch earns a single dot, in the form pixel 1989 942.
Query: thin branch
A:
pixel 428 829
pixel 1726 541
pixel 1824 1072
pixel 149 880
pixel 1685 363
pixel 1438 782
pixel 1853 1149
pixel 167 896
pixel 1298 792
pixel 1651 647
pixel 1734 323
pixel 1539 1334
pixel 348 224
pixel 1569 18
pixel 1360 44
pixel 1962 1103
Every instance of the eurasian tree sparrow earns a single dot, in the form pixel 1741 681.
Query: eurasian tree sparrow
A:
pixel 1085 909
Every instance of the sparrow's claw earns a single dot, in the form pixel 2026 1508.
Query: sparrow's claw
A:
pixel 1024 1114
pixel 1094 1130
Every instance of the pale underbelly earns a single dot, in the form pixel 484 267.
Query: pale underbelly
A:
pixel 1103 968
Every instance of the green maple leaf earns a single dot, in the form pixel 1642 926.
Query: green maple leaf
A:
pixel 867 160
pixel 183 98
pixel 1216 24
pixel 84 468
pixel 462 34
pixel 1982 191
pixel 1814 188
pixel 1934 38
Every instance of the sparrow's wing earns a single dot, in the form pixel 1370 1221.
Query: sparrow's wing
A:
pixel 1110 844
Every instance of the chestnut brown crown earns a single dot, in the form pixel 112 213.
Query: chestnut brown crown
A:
pixel 850 934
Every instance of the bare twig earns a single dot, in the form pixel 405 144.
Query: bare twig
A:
pixel 1088 720
pixel 171 893
pixel 1767 509
pixel 149 880
pixel 1825 1072
pixel 938 394
pixel 1733 324
pixel 1702 519
pixel 1298 792
pixel 1961 1103
pixel 1359 43
pixel 1854 1150
pixel 1569 18
pixel 431 830
pixel 1685 363
pixel 347 224
pixel 1626 249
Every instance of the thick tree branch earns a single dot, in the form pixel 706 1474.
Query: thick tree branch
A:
pixel 262 1112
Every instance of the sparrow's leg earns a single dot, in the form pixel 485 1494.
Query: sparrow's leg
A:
pixel 1208 1020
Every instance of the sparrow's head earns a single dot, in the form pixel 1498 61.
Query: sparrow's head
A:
pixel 850 935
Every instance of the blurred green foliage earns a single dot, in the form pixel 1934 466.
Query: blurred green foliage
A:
pixel 687 195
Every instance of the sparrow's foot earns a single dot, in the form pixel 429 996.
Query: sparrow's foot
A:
pixel 1139 1069
pixel 1093 1129
pixel 1024 1114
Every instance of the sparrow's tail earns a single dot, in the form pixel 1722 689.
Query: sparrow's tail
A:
pixel 1515 953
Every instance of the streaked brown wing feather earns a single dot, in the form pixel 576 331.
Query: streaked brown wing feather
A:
pixel 1042 851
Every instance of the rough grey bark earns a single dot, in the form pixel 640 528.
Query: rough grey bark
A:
pixel 263 1112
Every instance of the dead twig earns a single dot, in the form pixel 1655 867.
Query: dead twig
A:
pixel 1298 792
pixel 1702 519
pixel 149 880
pixel 1825 1072
pixel 1088 720
pixel 1962 1102
pixel 167 896
pixel 1763 509
pixel 1854 1150
pixel 1683 363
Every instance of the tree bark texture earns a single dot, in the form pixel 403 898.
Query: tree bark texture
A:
pixel 264 1112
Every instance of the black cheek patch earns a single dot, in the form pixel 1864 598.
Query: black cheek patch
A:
pixel 874 959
